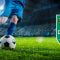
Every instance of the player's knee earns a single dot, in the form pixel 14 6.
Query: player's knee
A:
pixel 14 19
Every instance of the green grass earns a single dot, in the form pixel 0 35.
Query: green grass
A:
pixel 33 48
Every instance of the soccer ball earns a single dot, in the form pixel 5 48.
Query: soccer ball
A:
pixel 8 42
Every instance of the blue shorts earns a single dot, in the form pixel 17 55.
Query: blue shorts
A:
pixel 10 5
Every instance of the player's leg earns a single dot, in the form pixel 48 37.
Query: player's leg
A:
pixel 16 12
pixel 12 26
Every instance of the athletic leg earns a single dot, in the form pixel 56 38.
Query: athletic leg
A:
pixel 12 26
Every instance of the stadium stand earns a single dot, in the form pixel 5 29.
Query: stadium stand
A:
pixel 36 30
pixel 33 30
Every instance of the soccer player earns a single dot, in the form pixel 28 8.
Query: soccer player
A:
pixel 13 11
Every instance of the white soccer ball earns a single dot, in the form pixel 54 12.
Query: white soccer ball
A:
pixel 8 42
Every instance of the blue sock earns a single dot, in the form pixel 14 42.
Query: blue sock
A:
pixel 11 29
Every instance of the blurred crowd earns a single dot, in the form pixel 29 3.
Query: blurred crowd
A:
pixel 32 30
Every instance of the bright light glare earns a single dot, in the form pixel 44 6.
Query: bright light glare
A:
pixel 1 7
pixel 40 39
pixel 2 4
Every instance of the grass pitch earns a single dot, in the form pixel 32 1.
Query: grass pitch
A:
pixel 33 48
